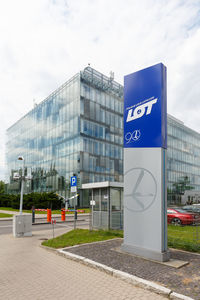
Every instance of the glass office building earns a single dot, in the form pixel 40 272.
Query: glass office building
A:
pixel 183 160
pixel 78 129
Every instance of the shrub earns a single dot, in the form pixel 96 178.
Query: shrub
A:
pixel 39 200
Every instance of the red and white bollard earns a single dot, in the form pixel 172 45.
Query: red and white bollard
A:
pixel 62 214
pixel 48 215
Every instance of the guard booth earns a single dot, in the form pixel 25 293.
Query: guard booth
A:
pixel 107 211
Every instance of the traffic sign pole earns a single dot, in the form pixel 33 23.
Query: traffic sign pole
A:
pixel 74 212
pixel 74 190
pixel 92 209
pixel 92 203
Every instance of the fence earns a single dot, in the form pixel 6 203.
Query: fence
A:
pixel 105 219
pixel 184 234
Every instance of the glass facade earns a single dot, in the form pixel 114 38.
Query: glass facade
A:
pixel 183 159
pixel 78 129
pixel 101 130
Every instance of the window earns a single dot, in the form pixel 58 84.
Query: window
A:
pixel 169 211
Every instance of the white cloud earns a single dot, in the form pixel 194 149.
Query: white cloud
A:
pixel 45 42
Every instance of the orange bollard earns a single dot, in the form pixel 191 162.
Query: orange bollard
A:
pixel 62 214
pixel 48 215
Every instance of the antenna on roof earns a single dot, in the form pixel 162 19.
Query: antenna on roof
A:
pixel 112 75
pixel 34 103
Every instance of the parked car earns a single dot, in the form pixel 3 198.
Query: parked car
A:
pixel 192 208
pixel 178 216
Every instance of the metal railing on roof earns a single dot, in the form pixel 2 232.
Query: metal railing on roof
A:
pixel 101 81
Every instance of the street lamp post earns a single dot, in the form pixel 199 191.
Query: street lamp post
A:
pixel 22 185
pixel 22 223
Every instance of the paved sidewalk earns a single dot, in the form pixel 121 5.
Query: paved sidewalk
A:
pixel 184 280
pixel 28 271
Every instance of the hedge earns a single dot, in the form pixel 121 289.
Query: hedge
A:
pixel 39 200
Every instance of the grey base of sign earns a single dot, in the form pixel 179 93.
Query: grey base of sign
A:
pixel 145 203
pixel 146 253
pixel 22 225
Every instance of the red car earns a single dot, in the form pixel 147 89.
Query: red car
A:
pixel 178 216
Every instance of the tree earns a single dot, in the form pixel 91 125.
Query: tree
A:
pixel 179 188
pixel 182 185
pixel 2 187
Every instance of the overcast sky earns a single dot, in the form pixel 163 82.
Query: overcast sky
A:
pixel 45 42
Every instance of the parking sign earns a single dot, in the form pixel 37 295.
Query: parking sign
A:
pixel 73 184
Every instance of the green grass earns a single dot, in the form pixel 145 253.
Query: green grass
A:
pixel 184 237
pixel 14 209
pixel 82 236
pixel 179 237
pixel 181 232
pixel 86 210
pixel 8 209
pixel 2 215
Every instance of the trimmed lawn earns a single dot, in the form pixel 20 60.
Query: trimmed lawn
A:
pixel 179 237
pixel 8 208
pixel 2 215
pixel 82 236
pixel 86 210
pixel 184 237
pixel 185 233
pixel 14 209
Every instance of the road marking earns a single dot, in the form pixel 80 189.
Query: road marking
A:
pixel 5 226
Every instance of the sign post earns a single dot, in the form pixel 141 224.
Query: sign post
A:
pixel 145 143
pixel 74 190
pixel 53 221
pixel 92 203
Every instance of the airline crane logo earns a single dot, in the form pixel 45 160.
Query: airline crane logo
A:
pixel 140 110
pixel 136 199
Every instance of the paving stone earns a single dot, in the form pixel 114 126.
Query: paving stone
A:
pixel 28 271
pixel 182 281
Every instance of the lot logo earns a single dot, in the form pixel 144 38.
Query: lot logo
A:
pixel 136 199
pixel 140 110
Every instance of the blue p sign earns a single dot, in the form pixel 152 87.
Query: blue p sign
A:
pixel 73 181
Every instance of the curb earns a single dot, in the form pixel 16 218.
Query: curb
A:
pixel 70 216
pixel 176 296
pixel 59 222
pixel 136 281
pixel 41 223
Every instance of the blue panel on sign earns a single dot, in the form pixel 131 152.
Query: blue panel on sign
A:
pixel 73 181
pixel 145 108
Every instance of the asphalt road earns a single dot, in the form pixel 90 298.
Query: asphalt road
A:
pixel 6 226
